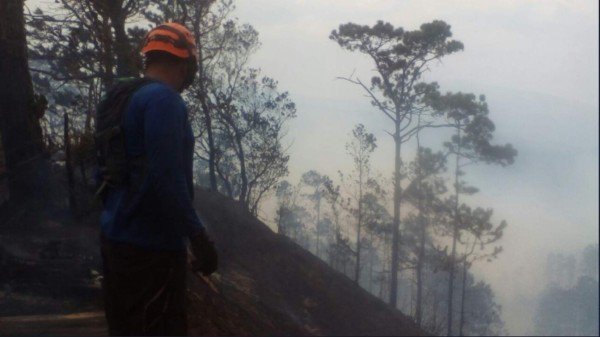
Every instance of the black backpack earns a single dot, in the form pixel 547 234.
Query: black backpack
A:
pixel 111 152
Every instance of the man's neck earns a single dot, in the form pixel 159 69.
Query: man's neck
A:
pixel 164 75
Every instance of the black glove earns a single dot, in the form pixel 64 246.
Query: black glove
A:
pixel 205 253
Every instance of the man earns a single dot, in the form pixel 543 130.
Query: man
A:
pixel 145 159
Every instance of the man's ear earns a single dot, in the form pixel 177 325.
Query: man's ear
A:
pixel 183 69
pixel 190 70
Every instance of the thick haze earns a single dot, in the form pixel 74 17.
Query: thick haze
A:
pixel 537 64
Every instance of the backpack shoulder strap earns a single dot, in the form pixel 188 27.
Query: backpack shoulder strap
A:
pixel 110 144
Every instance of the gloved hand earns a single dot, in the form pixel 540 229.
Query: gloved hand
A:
pixel 205 253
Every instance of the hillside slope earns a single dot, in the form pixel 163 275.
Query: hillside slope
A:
pixel 268 285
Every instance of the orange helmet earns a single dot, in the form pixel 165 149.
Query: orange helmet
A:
pixel 172 38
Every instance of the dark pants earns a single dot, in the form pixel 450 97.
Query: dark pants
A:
pixel 144 291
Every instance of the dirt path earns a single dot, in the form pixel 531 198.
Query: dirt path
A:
pixel 78 324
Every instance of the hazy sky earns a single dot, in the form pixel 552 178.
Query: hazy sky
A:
pixel 537 64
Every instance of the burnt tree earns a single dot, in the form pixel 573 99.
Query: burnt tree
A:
pixel 20 109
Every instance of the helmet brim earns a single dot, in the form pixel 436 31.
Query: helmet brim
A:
pixel 166 47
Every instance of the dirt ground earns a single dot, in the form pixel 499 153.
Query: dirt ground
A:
pixel 80 324
pixel 50 279
pixel 268 285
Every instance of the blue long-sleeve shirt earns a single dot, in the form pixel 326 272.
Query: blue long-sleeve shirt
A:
pixel 155 211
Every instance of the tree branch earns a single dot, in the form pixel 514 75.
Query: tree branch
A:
pixel 381 107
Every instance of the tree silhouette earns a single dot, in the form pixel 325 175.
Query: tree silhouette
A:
pixel 320 184
pixel 400 58
pixel 20 110
pixel 360 147
pixel 568 308
pixel 77 50
pixel 290 215
pixel 424 191
pixel 470 144
pixel 251 127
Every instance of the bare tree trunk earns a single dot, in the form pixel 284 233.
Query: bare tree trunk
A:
pixel 19 111
pixel 455 229
pixel 360 216
pixel 435 307
pixel 462 299
pixel 88 114
pixel 69 165
pixel 200 8
pixel 371 262
pixel 396 225
pixel 451 285
pixel 279 223
pixel 83 173
pixel 381 284
pixel 107 57
pixel 211 144
pixel 226 182
pixel 318 221
pixel 202 95
pixel 422 233
pixel 243 174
